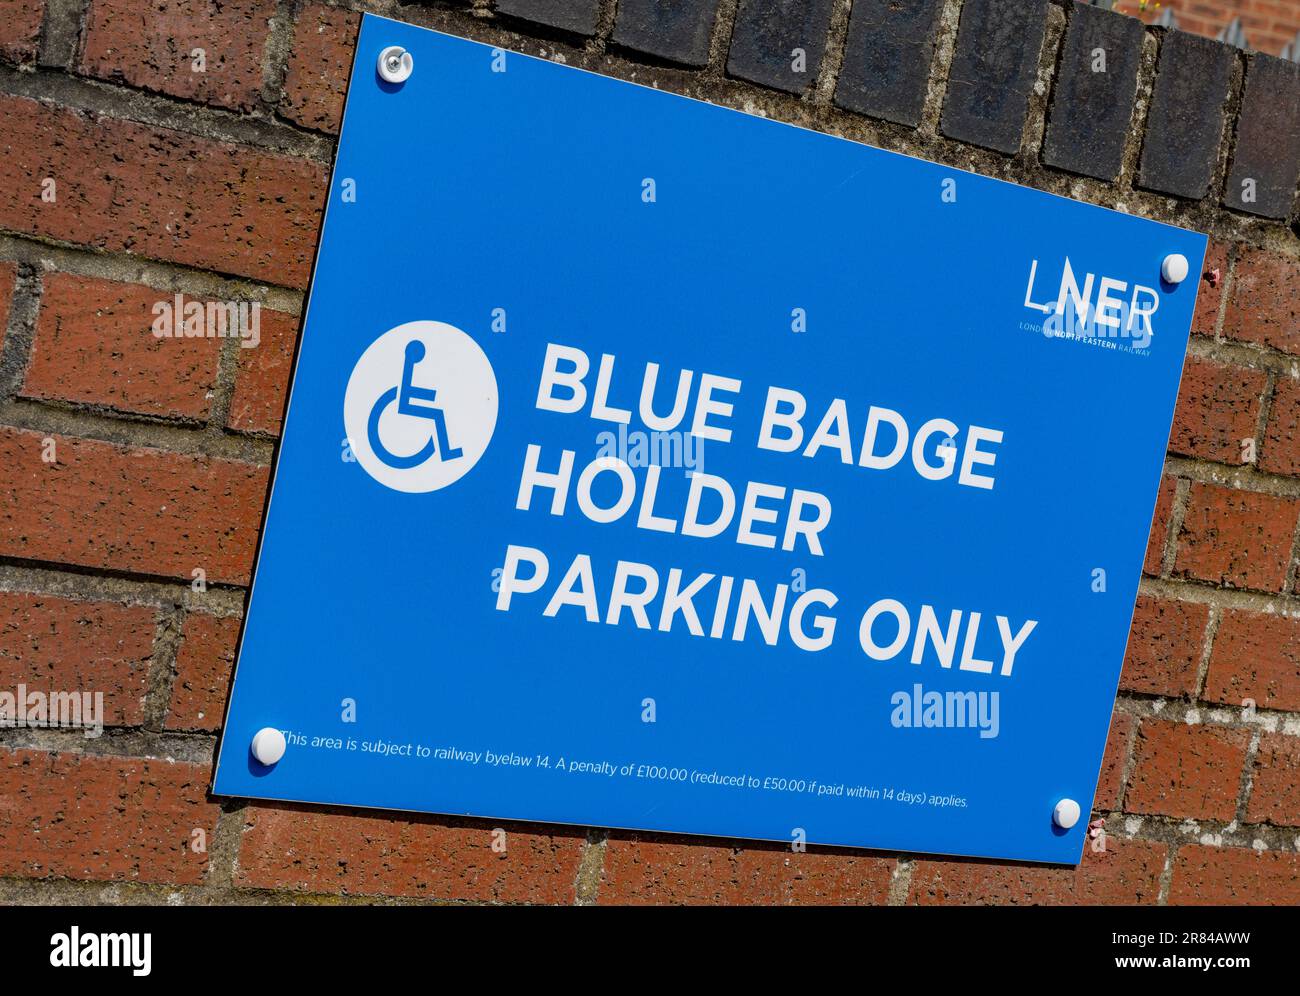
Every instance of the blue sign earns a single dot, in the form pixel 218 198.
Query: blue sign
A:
pixel 652 465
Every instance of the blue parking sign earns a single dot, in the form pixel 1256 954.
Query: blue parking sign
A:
pixel 656 466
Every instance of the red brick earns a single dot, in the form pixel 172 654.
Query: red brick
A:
pixel 1241 539
pixel 1218 408
pixel 103 818
pixel 1126 873
pixel 320 63
pixel 148 44
pixel 1264 306
pixel 140 510
pixel 58 644
pixel 94 345
pixel 1164 647
pixel 204 665
pixel 158 193
pixel 1256 656
pixel 1210 293
pixel 1118 743
pixel 263 378
pixel 20 29
pixel 651 869
pixel 1160 526
pixel 1234 876
pixel 294 848
pixel 1275 788
pixel 1188 771
pixel 1280 448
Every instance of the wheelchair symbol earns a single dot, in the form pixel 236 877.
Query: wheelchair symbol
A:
pixel 406 395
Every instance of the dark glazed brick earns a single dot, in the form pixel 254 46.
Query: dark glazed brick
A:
pixel 993 70
pixel 1268 139
pixel 887 58
pixel 768 31
pixel 676 30
pixel 1092 110
pixel 577 16
pixel 1186 118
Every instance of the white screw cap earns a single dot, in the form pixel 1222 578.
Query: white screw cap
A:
pixel 1066 814
pixel 395 64
pixel 269 745
pixel 1174 268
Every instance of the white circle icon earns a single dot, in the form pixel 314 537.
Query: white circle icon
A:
pixel 420 407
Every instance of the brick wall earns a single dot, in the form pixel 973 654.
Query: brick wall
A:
pixel 210 184
pixel 1268 24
